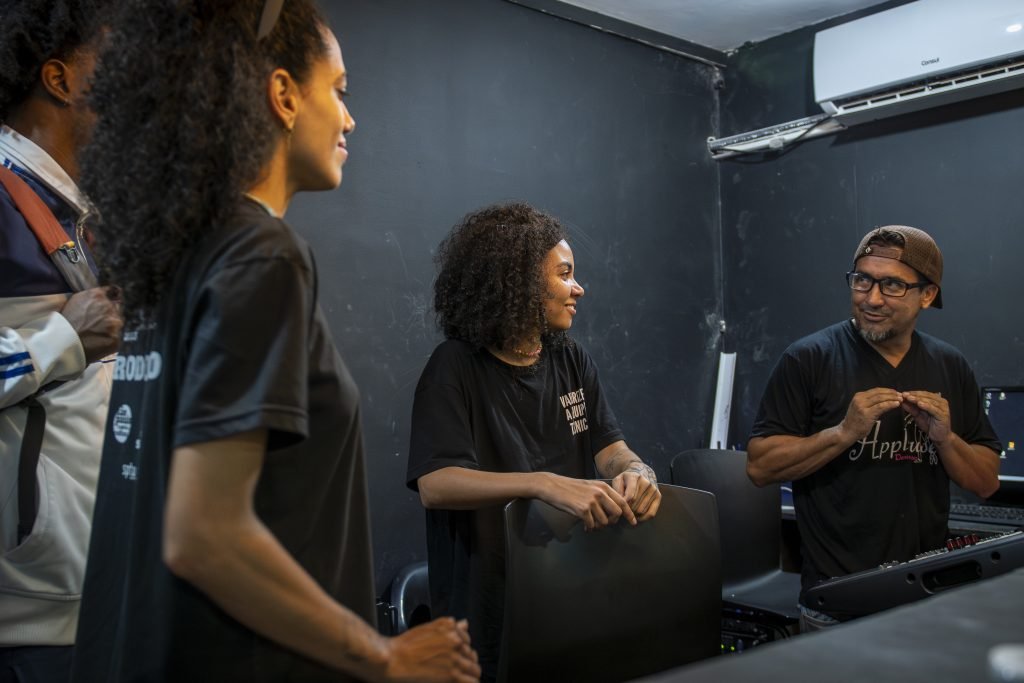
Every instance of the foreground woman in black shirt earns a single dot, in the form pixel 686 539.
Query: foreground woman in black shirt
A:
pixel 231 539
pixel 510 407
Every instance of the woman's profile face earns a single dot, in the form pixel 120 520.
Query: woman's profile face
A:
pixel 317 148
pixel 562 289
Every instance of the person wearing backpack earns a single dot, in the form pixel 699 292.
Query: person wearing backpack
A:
pixel 58 334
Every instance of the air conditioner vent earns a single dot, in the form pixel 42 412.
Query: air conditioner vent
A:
pixel 921 54
pixel 918 96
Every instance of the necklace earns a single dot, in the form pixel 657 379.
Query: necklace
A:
pixel 535 353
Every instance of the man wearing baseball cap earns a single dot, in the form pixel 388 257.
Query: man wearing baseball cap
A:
pixel 871 419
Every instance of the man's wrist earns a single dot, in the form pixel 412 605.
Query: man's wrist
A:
pixel 946 443
pixel 843 437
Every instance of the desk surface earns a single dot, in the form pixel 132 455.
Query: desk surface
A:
pixel 944 638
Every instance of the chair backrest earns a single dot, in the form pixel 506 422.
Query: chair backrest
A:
pixel 613 604
pixel 410 597
pixel 749 517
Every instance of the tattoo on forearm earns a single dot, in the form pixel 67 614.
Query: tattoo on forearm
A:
pixel 624 460
pixel 643 470
pixel 614 463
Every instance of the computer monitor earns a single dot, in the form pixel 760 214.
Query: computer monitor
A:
pixel 1005 409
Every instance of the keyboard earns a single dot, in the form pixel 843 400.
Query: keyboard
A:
pixel 993 514
pixel 963 560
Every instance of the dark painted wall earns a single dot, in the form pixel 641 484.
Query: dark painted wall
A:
pixel 460 103
pixel 790 224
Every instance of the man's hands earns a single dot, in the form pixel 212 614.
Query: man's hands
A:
pixel 865 408
pixel 639 487
pixel 931 414
pixel 782 457
pixel 96 316
pixel 929 410
pixel 436 651
pixel 592 501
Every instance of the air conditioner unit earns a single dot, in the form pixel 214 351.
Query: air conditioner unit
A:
pixel 919 55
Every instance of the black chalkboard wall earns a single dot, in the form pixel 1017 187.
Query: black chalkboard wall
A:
pixel 460 103
pixel 790 224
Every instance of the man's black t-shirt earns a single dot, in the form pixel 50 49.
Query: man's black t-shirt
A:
pixel 238 344
pixel 473 410
pixel 887 496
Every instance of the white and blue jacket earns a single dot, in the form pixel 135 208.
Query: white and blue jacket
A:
pixel 41 356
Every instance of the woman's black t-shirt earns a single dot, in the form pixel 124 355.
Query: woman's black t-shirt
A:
pixel 239 343
pixel 472 410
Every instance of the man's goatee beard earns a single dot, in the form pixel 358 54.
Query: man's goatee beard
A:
pixel 875 337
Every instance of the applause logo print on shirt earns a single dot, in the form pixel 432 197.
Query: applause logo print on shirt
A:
pixel 914 445
pixel 575 410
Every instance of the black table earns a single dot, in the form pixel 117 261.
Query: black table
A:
pixel 944 638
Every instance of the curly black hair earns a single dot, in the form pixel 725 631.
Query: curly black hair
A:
pixel 34 31
pixel 490 288
pixel 183 128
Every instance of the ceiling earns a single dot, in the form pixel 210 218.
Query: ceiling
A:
pixel 722 24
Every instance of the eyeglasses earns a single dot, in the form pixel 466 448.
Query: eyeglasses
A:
pixel 888 286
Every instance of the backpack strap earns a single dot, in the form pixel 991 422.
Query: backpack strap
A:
pixel 48 231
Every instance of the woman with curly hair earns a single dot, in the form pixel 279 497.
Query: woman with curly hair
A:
pixel 510 407
pixel 230 537
pixel 57 333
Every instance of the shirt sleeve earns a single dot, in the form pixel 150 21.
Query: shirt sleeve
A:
pixel 604 428
pixel 247 358
pixel 36 353
pixel 785 407
pixel 442 431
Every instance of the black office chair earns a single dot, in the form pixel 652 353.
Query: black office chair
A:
pixel 754 587
pixel 613 604
pixel 410 597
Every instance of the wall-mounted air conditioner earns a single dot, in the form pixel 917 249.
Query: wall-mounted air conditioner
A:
pixel 923 54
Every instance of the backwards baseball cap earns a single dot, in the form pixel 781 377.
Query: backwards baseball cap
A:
pixel 919 251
